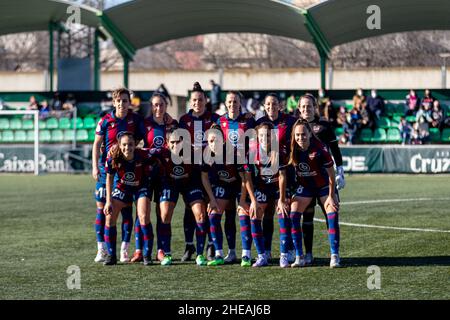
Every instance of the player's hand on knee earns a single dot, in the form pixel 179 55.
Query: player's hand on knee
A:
pixel 283 207
pixel 107 210
pixel 331 205
pixel 95 173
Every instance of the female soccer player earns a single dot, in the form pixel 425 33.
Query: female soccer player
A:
pixel 118 120
pixel 268 184
pixel 156 126
pixel 224 182
pixel 175 179
pixel 197 121
pixel 233 125
pixel 282 123
pixel 312 166
pixel 126 169
pixel 308 110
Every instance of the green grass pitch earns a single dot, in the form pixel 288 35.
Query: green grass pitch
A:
pixel 46 225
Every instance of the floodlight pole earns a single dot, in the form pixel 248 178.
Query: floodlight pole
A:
pixel 96 61
pixel 444 57
pixel 50 55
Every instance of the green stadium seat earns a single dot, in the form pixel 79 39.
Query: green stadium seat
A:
pixel 69 135
pixel 394 124
pixel 365 135
pixel 383 123
pixel 57 136
pixel 42 124
pixel 8 136
pixel 435 135
pixel 52 123
pixel 339 131
pixel 89 123
pixel 20 136
pixel 390 109
pixel 15 124
pixel 393 135
pixel 82 135
pixel 30 136
pixel 78 123
pixel 379 135
pixel 411 119
pixel 27 124
pixel 4 124
pixel 44 136
pixel 397 118
pixel 91 135
pixel 400 109
pixel 445 135
pixel 65 123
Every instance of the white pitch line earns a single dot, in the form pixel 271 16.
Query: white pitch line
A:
pixel 393 200
pixel 385 227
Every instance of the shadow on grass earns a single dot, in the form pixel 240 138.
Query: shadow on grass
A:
pixel 388 261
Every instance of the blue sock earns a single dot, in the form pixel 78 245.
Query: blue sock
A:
pixel 201 237
pixel 246 232
pixel 333 232
pixel 100 225
pixel 138 235
pixel 257 235
pixel 296 232
pixel 230 228
pixel 165 233
pixel 127 223
pixel 147 230
pixel 267 227
pixel 158 232
pixel 111 239
pixel 216 230
pixel 285 230
pixel 189 225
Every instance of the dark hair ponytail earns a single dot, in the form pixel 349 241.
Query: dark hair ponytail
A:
pixel 198 88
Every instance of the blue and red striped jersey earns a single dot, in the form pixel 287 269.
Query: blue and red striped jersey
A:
pixel 155 136
pixel 311 172
pixel 109 127
pixel 197 126
pixel 233 130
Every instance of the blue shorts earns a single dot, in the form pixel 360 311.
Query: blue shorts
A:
pixel 170 192
pixel 267 192
pixel 305 192
pixel 128 197
pixel 100 186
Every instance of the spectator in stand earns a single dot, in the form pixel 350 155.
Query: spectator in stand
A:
pixel 412 103
pixel 45 110
pixel 69 104
pixel 366 116
pixel 352 125
pixel 428 99
pixel 420 134
pixel 341 118
pixel 34 104
pixel 215 95
pixel 359 97
pixel 291 104
pixel 437 115
pixel 405 131
pixel 421 127
pixel 56 103
pixel 375 104
pixel 326 107
pixel 253 105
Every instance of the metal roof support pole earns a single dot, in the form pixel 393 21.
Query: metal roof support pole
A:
pixel 96 61
pixel 126 71
pixel 321 42
pixel 50 55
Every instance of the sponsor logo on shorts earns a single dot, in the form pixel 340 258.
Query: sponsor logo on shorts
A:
pixel 178 170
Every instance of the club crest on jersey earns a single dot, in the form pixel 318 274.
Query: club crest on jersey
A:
pixel 178 170
pixel 199 136
pixel 129 176
pixel 304 167
pixel 316 128
pixel 223 174
pixel 158 141
pixel 233 136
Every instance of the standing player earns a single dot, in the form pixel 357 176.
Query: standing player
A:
pixel 282 123
pixel 175 179
pixel 312 166
pixel 118 120
pixel 197 121
pixel 126 168
pixel 322 129
pixel 156 126
pixel 233 124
